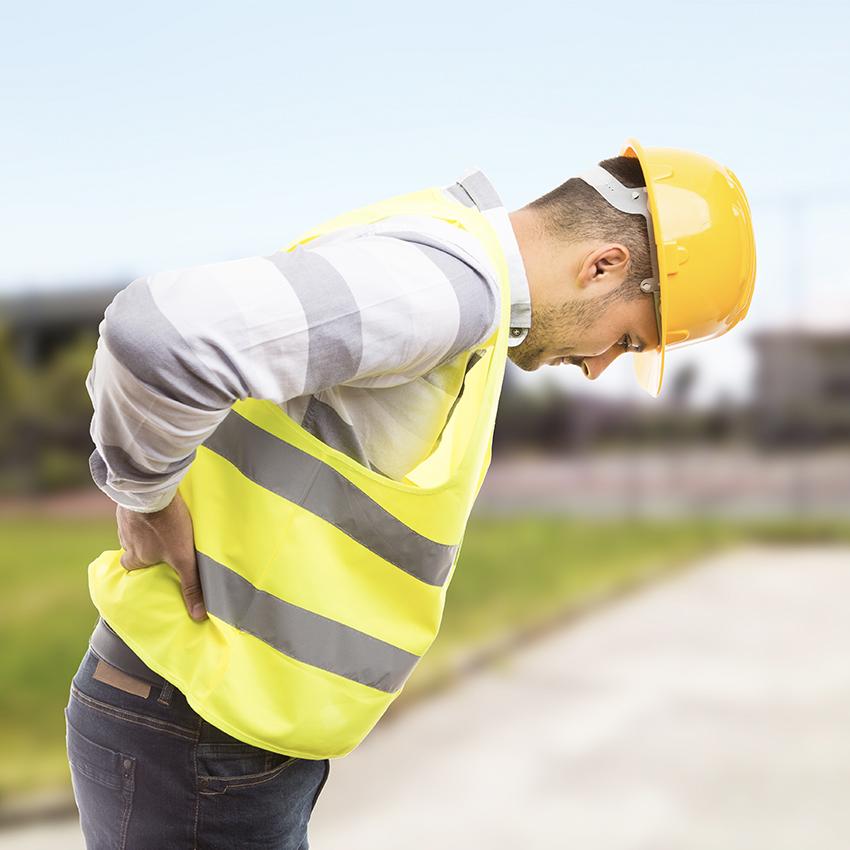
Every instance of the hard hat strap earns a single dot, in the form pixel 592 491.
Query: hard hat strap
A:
pixel 619 196
pixel 635 201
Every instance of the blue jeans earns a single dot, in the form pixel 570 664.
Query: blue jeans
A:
pixel 149 773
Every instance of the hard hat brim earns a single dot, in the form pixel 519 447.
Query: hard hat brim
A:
pixel 649 364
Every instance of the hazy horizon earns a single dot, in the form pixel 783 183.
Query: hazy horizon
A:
pixel 156 137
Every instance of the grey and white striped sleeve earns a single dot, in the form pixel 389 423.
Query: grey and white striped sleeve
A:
pixel 178 348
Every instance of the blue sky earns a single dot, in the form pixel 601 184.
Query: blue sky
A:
pixel 164 135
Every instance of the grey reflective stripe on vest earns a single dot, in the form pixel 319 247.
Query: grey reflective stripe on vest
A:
pixel 301 634
pixel 481 191
pixel 460 194
pixel 305 480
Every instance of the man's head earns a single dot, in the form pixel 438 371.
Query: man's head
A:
pixel 585 261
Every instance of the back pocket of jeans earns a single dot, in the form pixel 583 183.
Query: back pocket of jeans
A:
pixel 103 782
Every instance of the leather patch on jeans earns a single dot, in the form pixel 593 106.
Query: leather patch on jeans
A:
pixel 119 679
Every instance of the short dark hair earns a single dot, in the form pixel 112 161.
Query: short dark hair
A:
pixel 575 211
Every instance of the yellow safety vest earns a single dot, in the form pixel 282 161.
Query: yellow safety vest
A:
pixel 324 580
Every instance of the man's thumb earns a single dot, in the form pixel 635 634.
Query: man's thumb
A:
pixel 193 596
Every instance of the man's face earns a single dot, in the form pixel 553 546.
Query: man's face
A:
pixel 588 333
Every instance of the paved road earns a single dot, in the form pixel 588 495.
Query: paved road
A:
pixel 709 713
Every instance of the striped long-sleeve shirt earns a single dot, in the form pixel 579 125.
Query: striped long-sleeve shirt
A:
pixel 346 334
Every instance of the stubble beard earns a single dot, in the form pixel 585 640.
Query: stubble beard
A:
pixel 552 327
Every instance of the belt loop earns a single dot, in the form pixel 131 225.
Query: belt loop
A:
pixel 166 694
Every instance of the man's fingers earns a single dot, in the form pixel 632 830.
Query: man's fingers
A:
pixel 131 562
pixel 190 582
pixel 164 536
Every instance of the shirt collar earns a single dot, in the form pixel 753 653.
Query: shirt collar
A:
pixel 474 189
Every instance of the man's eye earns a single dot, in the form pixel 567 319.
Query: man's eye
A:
pixel 626 343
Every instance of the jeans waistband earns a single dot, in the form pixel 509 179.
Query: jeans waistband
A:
pixel 112 649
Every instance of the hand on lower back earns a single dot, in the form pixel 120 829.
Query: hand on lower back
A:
pixel 163 536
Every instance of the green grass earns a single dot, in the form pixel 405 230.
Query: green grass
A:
pixel 45 619
pixel 518 572
pixel 513 572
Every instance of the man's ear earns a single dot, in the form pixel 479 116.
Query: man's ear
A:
pixel 605 264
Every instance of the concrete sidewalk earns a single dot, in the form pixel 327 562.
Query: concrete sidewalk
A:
pixel 710 711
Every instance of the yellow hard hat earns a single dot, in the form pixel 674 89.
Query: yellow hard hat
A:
pixel 704 262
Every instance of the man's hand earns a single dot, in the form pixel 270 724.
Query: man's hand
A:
pixel 166 535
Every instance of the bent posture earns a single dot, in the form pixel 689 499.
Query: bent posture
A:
pixel 295 443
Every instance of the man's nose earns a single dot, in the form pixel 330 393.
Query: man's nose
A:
pixel 594 366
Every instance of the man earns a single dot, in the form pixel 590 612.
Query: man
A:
pixel 294 443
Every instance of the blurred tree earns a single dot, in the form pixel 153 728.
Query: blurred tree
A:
pixel 12 390
pixel 44 418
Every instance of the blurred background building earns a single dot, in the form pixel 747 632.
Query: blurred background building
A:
pixel 39 325
pixel 803 387
pixel 800 404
